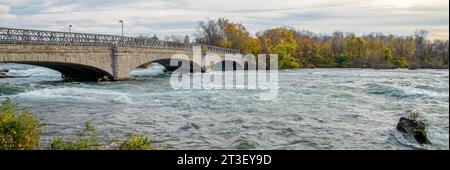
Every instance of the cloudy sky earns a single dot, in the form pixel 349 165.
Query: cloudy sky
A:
pixel 179 17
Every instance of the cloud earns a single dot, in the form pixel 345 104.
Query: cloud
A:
pixel 163 17
pixel 5 13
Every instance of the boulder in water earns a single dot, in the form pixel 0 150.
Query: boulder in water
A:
pixel 415 128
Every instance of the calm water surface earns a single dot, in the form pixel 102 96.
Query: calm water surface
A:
pixel 315 109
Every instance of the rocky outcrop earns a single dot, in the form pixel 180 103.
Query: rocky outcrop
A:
pixel 415 128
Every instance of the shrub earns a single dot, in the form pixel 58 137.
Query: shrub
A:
pixel 136 142
pixel 342 61
pixel 21 131
pixel 87 140
pixel 414 116
pixel 83 140
pixel 18 129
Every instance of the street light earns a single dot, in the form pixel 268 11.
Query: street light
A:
pixel 121 21
pixel 70 26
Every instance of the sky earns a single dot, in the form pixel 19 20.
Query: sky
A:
pixel 180 17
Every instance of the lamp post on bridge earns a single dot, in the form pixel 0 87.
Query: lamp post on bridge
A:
pixel 70 26
pixel 121 21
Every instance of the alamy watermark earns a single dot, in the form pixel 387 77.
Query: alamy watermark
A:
pixel 212 72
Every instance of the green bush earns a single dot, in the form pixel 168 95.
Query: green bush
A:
pixel 87 140
pixel 136 142
pixel 342 61
pixel 18 129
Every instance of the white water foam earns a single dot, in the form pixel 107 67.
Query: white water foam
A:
pixel 401 138
pixel 33 71
pixel 154 69
pixel 413 90
pixel 78 95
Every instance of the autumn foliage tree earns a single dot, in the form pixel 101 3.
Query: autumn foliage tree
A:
pixel 300 49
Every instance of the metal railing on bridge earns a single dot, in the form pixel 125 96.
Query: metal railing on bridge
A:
pixel 14 36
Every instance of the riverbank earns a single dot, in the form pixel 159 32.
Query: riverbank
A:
pixel 19 130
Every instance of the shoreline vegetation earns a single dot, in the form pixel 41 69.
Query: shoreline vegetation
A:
pixel 305 49
pixel 19 130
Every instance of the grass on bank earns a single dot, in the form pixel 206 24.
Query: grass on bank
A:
pixel 19 130
pixel 84 140
pixel 88 140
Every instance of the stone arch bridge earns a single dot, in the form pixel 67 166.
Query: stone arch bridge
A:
pixel 92 57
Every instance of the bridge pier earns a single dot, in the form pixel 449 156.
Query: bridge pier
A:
pixel 119 73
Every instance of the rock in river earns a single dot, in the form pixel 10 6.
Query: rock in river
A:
pixel 415 128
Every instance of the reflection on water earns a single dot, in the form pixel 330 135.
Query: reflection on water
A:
pixel 315 108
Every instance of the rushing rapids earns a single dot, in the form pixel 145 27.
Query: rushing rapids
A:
pixel 315 108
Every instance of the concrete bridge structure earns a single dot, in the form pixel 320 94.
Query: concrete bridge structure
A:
pixel 93 57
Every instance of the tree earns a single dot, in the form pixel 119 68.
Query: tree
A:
pixel 285 60
pixel 420 38
pixel 375 49
pixel 209 33
pixel 307 49
pixel 388 58
pixel 252 46
pixel 280 41
pixel 187 39
pixel 354 50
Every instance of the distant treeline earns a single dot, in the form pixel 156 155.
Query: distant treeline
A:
pixel 300 49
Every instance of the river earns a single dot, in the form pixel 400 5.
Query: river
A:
pixel 315 109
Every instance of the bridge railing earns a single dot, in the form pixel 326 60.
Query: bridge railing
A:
pixel 9 35
pixel 222 50
pixel 12 35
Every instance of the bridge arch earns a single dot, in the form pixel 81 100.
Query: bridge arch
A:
pixel 72 71
pixel 166 63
